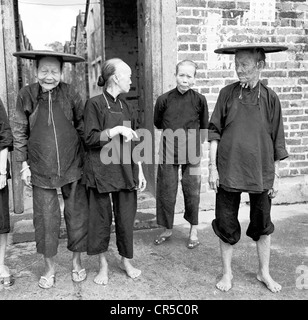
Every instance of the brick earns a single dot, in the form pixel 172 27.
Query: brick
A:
pixel 243 5
pixel 183 29
pixel 222 4
pixel 293 142
pixel 192 56
pixel 298 74
pixel 302 118
pixel 191 3
pixel 290 96
pixel 297 157
pixel 294 126
pixel 183 47
pixel 220 74
pixel 299 164
pixel 303 171
pixel 274 74
pixel 184 12
pixel 187 38
pixel 188 21
pixel 195 47
pixel 195 30
pixel 304 126
pixel 291 15
pixel 299 134
pixel 292 112
pixel 301 149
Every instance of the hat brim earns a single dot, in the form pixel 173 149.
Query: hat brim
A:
pixel 36 55
pixel 266 48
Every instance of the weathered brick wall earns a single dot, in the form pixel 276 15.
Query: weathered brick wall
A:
pixel 203 26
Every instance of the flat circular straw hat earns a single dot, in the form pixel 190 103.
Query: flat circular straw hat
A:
pixel 38 54
pixel 266 48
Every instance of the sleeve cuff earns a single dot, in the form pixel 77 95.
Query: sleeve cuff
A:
pixel 280 154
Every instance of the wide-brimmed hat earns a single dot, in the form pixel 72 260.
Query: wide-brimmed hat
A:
pixel 38 54
pixel 267 48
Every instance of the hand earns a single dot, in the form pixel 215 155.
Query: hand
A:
pixel 2 181
pixel 142 182
pixel 213 178
pixel 128 133
pixel 26 177
pixel 272 193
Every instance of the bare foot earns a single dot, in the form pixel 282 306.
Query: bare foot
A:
pixel 102 276
pixel 225 283
pixel 193 235
pixel 131 271
pixel 269 282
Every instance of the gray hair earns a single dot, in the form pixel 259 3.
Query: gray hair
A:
pixel 108 70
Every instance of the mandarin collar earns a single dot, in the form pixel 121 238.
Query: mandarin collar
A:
pixel 182 94
pixel 111 97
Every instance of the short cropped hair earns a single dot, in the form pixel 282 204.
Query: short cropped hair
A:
pixel 186 62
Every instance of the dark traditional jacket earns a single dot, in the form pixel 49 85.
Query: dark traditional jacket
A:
pixel 48 132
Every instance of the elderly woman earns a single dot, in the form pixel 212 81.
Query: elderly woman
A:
pixel 6 144
pixel 48 140
pixel 109 126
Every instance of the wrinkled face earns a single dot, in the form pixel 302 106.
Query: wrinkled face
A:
pixel 123 76
pixel 185 77
pixel 246 67
pixel 49 72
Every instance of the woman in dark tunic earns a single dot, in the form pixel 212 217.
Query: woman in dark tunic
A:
pixel 6 145
pixel 108 120
pixel 48 141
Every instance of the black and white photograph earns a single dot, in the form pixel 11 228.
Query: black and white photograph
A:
pixel 154 153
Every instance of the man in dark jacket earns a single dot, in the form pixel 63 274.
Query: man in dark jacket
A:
pixel 48 139
pixel 247 142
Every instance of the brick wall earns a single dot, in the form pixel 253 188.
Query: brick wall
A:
pixel 203 26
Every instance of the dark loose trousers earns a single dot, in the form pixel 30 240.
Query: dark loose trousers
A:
pixel 226 225
pixel 167 186
pixel 47 218
pixel 100 220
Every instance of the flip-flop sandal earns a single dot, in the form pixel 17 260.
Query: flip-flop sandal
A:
pixel 192 244
pixel 47 282
pixel 161 239
pixel 7 281
pixel 78 276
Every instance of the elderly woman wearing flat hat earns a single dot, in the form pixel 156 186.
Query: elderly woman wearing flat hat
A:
pixel 247 142
pixel 48 139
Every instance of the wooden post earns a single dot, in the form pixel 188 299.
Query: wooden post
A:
pixel 12 88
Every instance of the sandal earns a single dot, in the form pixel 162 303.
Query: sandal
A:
pixel 161 239
pixel 7 281
pixel 78 276
pixel 192 244
pixel 47 282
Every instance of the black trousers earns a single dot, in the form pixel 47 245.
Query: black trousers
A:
pixel 47 218
pixel 124 204
pixel 167 186
pixel 226 225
